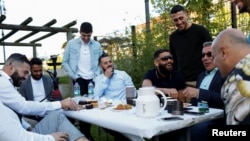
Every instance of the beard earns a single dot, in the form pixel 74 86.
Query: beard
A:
pixel 17 80
pixel 109 67
pixel 164 70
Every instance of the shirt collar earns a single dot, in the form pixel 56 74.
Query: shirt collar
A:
pixel 4 74
pixel 209 72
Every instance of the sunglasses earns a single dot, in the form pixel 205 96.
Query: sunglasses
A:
pixel 165 58
pixel 209 54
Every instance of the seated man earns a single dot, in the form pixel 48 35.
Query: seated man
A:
pixel 16 69
pixel 111 84
pixel 170 82
pixel 55 126
pixel 37 87
pixel 207 89
pixel 163 77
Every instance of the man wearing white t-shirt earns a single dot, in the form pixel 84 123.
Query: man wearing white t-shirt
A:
pixel 37 87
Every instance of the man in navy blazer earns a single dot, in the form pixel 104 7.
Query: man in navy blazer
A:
pixel 209 82
pixel 208 88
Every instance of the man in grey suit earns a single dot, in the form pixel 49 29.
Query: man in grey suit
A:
pixel 37 87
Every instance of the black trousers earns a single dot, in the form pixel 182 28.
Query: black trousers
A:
pixel 85 127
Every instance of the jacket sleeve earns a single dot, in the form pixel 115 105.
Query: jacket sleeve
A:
pixel 65 60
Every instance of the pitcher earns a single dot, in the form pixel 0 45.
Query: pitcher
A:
pixel 148 104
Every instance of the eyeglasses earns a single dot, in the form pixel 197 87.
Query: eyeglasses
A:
pixel 209 54
pixel 165 58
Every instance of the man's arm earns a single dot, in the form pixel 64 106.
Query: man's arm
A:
pixel 172 92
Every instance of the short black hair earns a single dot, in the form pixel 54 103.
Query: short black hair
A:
pixel 177 8
pixel 159 51
pixel 36 61
pixel 86 27
pixel 102 56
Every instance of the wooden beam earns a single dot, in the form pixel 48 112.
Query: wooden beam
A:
pixel 37 28
pixel 25 22
pixel 2 18
pixel 34 32
pixel 52 33
pixel 20 44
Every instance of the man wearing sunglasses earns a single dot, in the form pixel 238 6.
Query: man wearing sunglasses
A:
pixel 186 44
pixel 167 80
pixel 208 88
pixel 163 77
pixel 80 61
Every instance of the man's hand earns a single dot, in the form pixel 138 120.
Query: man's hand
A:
pixel 109 72
pixel 60 136
pixel 69 104
pixel 170 92
pixel 191 92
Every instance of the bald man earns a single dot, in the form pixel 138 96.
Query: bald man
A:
pixel 231 53
pixel 243 5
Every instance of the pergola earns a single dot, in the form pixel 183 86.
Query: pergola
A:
pixel 33 30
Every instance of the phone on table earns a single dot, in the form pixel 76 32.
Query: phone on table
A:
pixel 194 113
pixel 172 118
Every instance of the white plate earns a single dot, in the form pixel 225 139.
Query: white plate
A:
pixel 115 110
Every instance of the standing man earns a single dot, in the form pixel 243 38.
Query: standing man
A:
pixel 164 77
pixel 232 56
pixel 80 61
pixel 208 88
pixel 186 45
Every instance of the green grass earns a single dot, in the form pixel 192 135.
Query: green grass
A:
pixel 100 135
pixel 64 79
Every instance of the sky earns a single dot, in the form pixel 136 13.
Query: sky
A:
pixel 106 16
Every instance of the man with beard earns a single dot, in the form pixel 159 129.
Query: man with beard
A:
pixel 167 80
pixel 37 87
pixel 163 77
pixel 15 70
pixel 208 88
pixel 243 5
pixel 111 84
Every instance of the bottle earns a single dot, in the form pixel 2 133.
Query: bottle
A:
pixel 77 92
pixel 90 89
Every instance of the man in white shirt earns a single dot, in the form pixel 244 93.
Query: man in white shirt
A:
pixel 80 61
pixel 37 87
pixel 112 84
pixel 15 70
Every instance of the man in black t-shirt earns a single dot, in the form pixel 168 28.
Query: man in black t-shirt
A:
pixel 167 80
pixel 163 77
pixel 186 45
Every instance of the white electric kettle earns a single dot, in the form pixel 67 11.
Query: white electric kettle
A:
pixel 148 104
